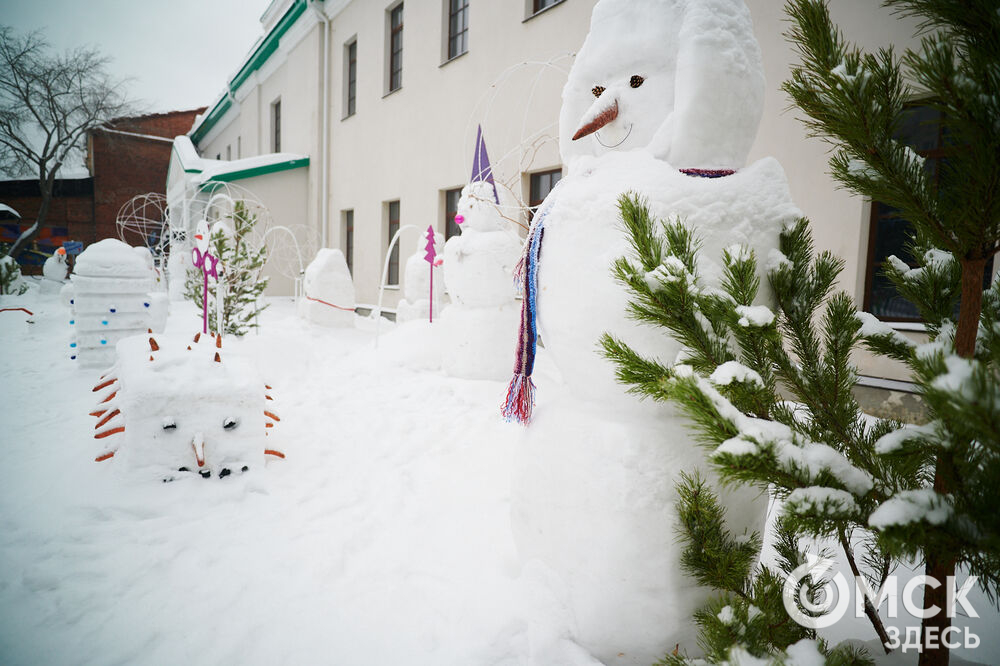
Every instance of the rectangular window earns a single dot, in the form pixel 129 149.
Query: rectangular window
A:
pixel 539 5
pixel 351 78
pixel 349 239
pixel 889 233
pixel 541 184
pixel 393 276
pixel 458 27
pixel 396 47
pixel 451 198
pixel 276 126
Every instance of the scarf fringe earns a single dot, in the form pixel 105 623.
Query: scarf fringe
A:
pixel 520 400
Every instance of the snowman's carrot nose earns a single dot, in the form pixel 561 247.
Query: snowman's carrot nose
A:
pixel 599 121
pixel 198 236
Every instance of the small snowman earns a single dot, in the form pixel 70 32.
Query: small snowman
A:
pixel 415 304
pixel 478 270
pixel 663 100
pixel 54 272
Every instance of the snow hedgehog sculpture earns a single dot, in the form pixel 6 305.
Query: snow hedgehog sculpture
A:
pixel 180 408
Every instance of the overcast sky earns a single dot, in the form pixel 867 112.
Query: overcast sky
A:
pixel 178 53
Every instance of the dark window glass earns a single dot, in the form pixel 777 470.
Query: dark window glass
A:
pixel 349 239
pixel 889 232
pixel 352 76
pixel 451 198
pixel 393 277
pixel 544 4
pixel 541 184
pixel 276 126
pixel 458 27
pixel 396 48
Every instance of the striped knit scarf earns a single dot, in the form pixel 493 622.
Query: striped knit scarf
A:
pixel 521 391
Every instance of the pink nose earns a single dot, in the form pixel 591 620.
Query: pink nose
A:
pixel 459 219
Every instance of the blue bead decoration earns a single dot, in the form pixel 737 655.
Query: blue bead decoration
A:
pixel 104 342
pixel 73 357
pixel 104 322
pixel 145 305
pixel 72 301
pixel 112 310
pixel 72 321
pixel 73 345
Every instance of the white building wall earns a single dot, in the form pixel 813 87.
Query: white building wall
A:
pixel 412 144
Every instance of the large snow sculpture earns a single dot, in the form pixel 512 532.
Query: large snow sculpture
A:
pixel 110 300
pixel 328 297
pixel 415 304
pixel 172 405
pixel 664 99
pixel 478 269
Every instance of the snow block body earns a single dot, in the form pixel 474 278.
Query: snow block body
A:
pixel 175 404
pixel 110 300
pixel 478 271
pixel 329 290
pixel 662 93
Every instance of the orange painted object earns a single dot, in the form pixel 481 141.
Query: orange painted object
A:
pixel 107 418
pixel 104 384
pixel 106 456
pixel 108 433
pixel 271 415
pixel 272 452
pixel 109 397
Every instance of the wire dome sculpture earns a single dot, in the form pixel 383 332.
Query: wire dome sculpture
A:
pixel 519 143
pixel 143 221
pixel 221 203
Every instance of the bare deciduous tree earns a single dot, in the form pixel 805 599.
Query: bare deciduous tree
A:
pixel 47 104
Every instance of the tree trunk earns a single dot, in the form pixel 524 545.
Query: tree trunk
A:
pixel 46 186
pixel 941 564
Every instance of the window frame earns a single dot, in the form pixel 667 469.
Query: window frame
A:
pixel 392 227
pixel 348 218
pixel 394 55
pixel 350 77
pixel 533 8
pixel 276 126
pixel 533 201
pixel 451 229
pixel 451 37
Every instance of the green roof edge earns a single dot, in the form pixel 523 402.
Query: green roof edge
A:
pixel 256 60
pixel 230 176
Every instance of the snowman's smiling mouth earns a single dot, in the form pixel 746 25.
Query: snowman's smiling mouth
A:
pixel 597 135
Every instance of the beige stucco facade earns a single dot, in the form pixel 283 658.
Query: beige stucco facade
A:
pixel 412 144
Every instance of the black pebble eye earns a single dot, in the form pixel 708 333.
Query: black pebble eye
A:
pixel 230 423
pixel 169 425
pixel 636 81
pixel 597 90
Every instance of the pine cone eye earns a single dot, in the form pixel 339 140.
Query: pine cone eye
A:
pixel 597 90
pixel 636 81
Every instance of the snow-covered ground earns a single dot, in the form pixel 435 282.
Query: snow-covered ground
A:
pixel 383 538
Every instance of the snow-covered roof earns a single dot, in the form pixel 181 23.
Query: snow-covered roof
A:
pixel 4 208
pixel 208 170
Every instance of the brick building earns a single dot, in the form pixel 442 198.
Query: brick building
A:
pixel 126 157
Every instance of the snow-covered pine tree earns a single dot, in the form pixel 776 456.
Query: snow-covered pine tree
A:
pixel 10 275
pixel 855 101
pixel 747 622
pixel 927 492
pixel 743 363
pixel 240 267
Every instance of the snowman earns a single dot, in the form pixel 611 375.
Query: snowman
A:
pixel 478 267
pixel 54 272
pixel 663 100
pixel 415 304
